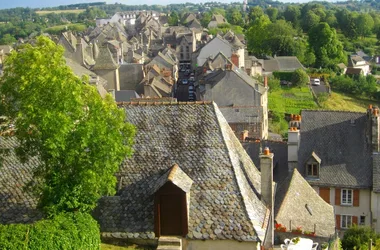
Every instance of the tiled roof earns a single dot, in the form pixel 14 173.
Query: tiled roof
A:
pixel 339 139
pixel 224 196
pixel 16 204
pixel 105 60
pixel 297 203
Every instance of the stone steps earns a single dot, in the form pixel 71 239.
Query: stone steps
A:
pixel 169 243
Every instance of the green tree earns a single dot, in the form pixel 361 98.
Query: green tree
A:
pixel 325 45
pixel 256 36
pixel 310 20
pixel 292 14
pixel 206 18
pixel 234 16
pixel 255 13
pixel 364 23
pixel 300 78
pixel 280 38
pixel 173 19
pixel 272 13
pixel 7 39
pixel 80 138
pixel 358 237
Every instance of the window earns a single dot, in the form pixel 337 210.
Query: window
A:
pixel 346 221
pixel 346 197
pixel 312 170
pixel 362 220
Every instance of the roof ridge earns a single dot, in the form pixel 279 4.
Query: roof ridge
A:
pixel 336 111
pixel 158 102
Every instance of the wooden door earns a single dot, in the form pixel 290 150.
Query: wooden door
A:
pixel 171 214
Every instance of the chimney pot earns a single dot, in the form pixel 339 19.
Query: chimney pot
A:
pixel 266 151
pixel 265 81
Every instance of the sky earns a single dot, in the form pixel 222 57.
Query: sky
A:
pixel 7 4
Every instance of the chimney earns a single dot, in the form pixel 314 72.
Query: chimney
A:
pixel 235 59
pixel 243 135
pixel 267 192
pixel 265 81
pixel 293 141
pixel 375 128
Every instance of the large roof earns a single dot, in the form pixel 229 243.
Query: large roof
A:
pixel 297 203
pixel 16 204
pixel 224 195
pixel 339 139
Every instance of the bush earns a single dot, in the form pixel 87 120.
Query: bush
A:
pixel 300 78
pixel 358 237
pixel 64 231
pixel 287 76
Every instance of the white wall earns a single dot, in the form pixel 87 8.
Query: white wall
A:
pixel 240 52
pixel 375 197
pixel 219 245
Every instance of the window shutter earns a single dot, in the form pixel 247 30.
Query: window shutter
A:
pixel 337 196
pixel 356 195
pixel 354 220
pixel 325 194
pixel 337 221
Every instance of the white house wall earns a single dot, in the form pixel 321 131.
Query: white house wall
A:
pixel 375 198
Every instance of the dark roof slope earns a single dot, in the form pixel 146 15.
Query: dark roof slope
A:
pixel 16 204
pixel 224 202
pixel 340 140
pixel 297 201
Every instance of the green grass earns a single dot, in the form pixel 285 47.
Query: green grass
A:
pixel 291 100
pixel 45 12
pixel 104 246
pixel 59 28
pixel 344 102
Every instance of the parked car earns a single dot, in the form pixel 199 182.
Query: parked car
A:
pixel 191 79
pixel 187 72
pixel 316 81
pixel 185 81
pixel 191 89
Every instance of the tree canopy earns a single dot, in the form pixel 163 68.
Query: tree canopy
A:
pixel 80 138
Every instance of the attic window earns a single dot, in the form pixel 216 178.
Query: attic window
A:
pixel 312 170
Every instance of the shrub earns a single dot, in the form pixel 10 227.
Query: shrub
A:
pixel 300 78
pixel 358 237
pixel 287 76
pixel 64 231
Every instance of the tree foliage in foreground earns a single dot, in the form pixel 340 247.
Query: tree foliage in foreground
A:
pixel 80 138
pixel 358 237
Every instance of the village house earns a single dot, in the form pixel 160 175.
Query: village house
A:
pixel 357 66
pixel 338 154
pixel 242 100
pixel 216 20
pixel 282 64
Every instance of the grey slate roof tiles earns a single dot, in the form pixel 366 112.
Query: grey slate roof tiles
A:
pixel 17 205
pixel 224 201
pixel 339 139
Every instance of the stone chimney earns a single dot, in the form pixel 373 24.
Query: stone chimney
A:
pixel 267 191
pixel 293 141
pixel 228 66
pixel 235 59
pixel 374 113
pixel 243 135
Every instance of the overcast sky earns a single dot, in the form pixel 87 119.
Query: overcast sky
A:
pixel 6 4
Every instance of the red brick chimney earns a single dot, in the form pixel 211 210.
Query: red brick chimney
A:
pixel 235 59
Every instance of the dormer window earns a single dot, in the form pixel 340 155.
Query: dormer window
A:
pixel 312 170
pixel 312 166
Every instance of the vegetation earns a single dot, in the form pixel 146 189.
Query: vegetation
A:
pixel 358 237
pixel 45 12
pixel 56 30
pixel 359 86
pixel 300 78
pixel 64 231
pixel 79 137
pixel 104 246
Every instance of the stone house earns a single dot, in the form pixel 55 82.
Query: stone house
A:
pixel 281 63
pixel 357 65
pixel 241 99
pixel 337 153
pixel 216 20
pixel 189 176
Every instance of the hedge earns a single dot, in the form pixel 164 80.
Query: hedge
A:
pixel 74 231
pixel 283 75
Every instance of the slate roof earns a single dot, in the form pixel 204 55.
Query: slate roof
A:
pixel 131 74
pixel 280 160
pixel 339 139
pixel 354 71
pixel 282 63
pixel 125 95
pixel 105 60
pixel 195 24
pixel 16 204
pixel 240 114
pixel 224 196
pixel 296 202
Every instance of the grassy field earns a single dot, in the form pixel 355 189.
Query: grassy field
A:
pixel 291 100
pixel 338 101
pixel 59 28
pixel 45 12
